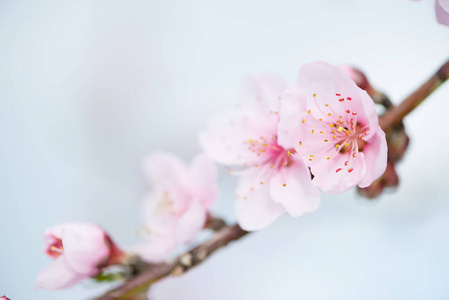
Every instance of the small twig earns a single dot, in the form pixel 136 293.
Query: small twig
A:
pixel 181 265
pixel 395 115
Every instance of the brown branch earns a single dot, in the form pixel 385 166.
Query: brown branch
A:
pixel 181 265
pixel 395 115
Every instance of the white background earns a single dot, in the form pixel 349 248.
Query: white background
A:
pixel 87 88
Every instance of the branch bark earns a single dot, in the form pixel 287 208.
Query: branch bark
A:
pixel 180 265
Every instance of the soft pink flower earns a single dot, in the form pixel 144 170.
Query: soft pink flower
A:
pixel 272 179
pixel 80 250
pixel 334 127
pixel 177 204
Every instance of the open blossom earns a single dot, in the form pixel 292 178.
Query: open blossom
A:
pixel 334 127
pixel 273 180
pixel 177 204
pixel 80 250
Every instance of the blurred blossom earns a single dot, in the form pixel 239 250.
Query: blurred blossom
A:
pixel 177 204
pixel 334 127
pixel 80 250
pixel 272 179
pixel 4 298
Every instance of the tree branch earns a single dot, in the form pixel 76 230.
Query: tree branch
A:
pixel 181 265
pixel 396 114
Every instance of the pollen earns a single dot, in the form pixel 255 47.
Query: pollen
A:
pixel 320 119
pixel 314 95
pixel 300 143
pixel 326 140
pixel 284 184
pixel 340 129
pixel 329 114
pixel 308 111
pixel 331 125
pixel 311 155
pixel 336 146
pixel 321 132
pixel 303 120
pixel 313 131
pixel 350 170
pixel 271 166
pixel 328 157
pixel 261 182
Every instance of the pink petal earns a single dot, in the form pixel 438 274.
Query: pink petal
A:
pixel 227 138
pixel 442 11
pixel 156 249
pixel 165 169
pixel 228 135
pixel 293 188
pixel 322 84
pixel 58 275
pixel 85 247
pixel 203 175
pixel 444 4
pixel 191 223
pixel 293 104
pixel 254 207
pixel 261 93
pixel 375 157
pixel 333 177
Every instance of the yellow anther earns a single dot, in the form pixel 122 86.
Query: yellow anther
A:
pixel 331 125
pixel 284 184
pixel 308 111
pixel 346 144
pixel 329 114
pixel 321 132
pixel 334 136
pixel 340 129
pixel 326 140
pixel 320 119
pixel 314 95
pixel 303 120
pixel 311 155
pixel 313 131
pixel 336 146
pixel 328 157
pixel 300 143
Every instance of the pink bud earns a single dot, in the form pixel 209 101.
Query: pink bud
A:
pixel 4 298
pixel 79 250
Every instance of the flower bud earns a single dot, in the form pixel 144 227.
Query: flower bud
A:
pixel 79 251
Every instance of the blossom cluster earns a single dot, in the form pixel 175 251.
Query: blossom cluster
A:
pixel 285 143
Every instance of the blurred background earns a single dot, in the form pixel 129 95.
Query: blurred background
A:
pixel 87 88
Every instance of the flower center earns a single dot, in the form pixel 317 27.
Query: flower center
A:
pixel 56 248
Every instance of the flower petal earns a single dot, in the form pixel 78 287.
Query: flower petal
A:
pixel 191 223
pixel 85 247
pixel 58 275
pixel 442 11
pixel 293 104
pixel 254 207
pixel 203 175
pixel 375 157
pixel 293 188
pixel 335 176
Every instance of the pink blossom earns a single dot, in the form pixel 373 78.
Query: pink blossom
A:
pixel 272 179
pixel 177 204
pixel 79 251
pixel 4 298
pixel 334 127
